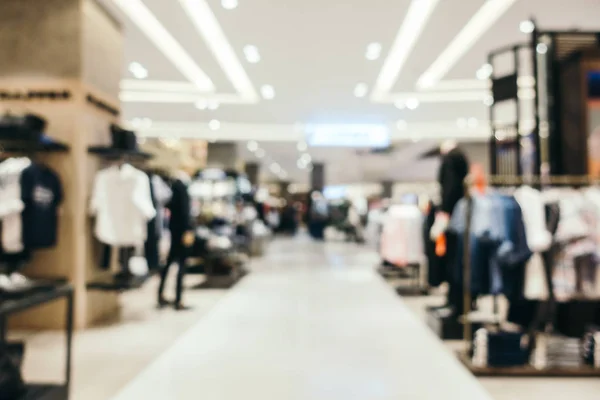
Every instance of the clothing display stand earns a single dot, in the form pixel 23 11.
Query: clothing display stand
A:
pixel 122 281
pixel 69 75
pixel 417 282
pixel 527 370
pixel 27 301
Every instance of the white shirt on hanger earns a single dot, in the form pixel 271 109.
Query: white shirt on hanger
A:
pixel 122 204
pixel 11 204
pixel 402 238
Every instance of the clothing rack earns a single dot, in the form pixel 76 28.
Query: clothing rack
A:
pixel 526 370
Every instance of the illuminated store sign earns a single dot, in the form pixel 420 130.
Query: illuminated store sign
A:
pixel 358 135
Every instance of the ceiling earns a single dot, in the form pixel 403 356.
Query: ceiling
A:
pixel 312 52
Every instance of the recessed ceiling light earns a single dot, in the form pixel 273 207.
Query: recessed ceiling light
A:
pixel 401 125
pixel 201 104
pixel 301 146
pixel 373 51
pixel 484 18
pixel 407 36
pixel 252 145
pixel 542 48
pixel 213 105
pixel 138 70
pixel 488 101
pixel 260 153
pixel 400 104
pixel 527 26
pixel 485 72
pixel 462 123
pixel 214 124
pixel 229 4
pixel 301 164
pixel 252 54
pixel 267 92
pixel 306 158
pixel 147 22
pixel 412 104
pixel 361 89
pixel 207 25
pixel 472 122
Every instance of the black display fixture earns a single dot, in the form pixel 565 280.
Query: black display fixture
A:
pixel 24 134
pixel 535 141
pixel 8 307
pixel 124 146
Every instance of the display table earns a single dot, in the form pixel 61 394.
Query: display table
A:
pixel 32 299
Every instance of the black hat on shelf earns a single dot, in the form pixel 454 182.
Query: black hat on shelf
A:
pixel 124 144
pixel 26 133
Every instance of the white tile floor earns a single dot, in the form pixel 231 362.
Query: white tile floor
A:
pixel 313 321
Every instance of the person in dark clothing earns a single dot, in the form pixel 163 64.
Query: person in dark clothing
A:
pixel 452 173
pixel 182 236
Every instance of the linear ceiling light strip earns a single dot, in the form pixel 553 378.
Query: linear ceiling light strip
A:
pixel 483 20
pixel 207 25
pixel 415 21
pixel 166 43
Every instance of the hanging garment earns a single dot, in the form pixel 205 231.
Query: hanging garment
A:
pixel 531 202
pixel 11 204
pixel 122 204
pixel 453 170
pixel 401 242
pixel 42 194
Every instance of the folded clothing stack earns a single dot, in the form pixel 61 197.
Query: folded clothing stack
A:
pixel 563 352
pixel 505 349
pixel 590 346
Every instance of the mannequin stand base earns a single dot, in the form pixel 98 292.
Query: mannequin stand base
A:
pixel 447 327
pixel 411 291
pixel 529 371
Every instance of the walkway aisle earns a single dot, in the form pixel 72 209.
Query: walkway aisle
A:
pixel 312 322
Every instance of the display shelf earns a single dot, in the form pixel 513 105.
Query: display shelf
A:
pixel 32 299
pixel 45 392
pixel 12 146
pixel 112 153
pixel 529 371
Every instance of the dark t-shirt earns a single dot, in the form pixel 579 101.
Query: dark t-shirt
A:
pixel 41 192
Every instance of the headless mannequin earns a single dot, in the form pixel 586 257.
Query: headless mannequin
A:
pixel 182 236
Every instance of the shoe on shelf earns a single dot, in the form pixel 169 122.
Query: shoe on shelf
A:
pixel 182 307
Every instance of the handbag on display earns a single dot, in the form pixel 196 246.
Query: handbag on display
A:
pixel 11 382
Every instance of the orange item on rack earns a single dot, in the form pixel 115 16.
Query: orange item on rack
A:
pixel 478 178
pixel 440 246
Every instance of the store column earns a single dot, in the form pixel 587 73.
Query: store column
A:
pixel 387 188
pixel 223 155
pixel 317 177
pixel 252 171
pixel 75 49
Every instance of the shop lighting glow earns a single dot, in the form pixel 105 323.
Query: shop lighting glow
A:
pixel 143 18
pixel 360 90
pixel 252 54
pixel 138 70
pixel 348 135
pixel 484 18
pixel 373 51
pixel 413 25
pixel 229 4
pixel 209 28
pixel 214 125
pixel 267 92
